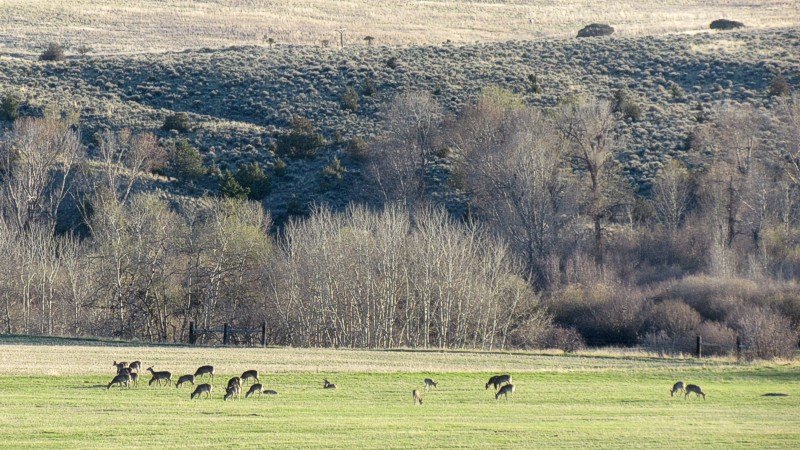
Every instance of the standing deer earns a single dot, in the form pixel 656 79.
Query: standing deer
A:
pixel 205 370
pixel 121 379
pixel 134 378
pixel 677 387
pixel 498 380
pixel 429 383
pixel 256 388
pixel 159 376
pixel 122 365
pixel 184 379
pixel 504 391
pixel 417 398
pixel 233 391
pixel 135 366
pixel 204 388
pixel 250 374
pixel 693 388
pixel 327 384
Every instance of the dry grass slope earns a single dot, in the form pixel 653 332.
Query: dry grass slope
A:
pixel 152 25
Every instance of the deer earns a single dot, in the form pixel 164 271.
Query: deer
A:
pixel 498 380
pixel 234 382
pixel 135 366
pixel 677 387
pixel 504 391
pixel 134 378
pixel 159 376
pixel 690 388
pixel 204 388
pixel 417 398
pixel 121 379
pixel 234 390
pixel 250 374
pixel 184 379
pixel 327 384
pixel 428 383
pixel 122 365
pixel 256 388
pixel 205 370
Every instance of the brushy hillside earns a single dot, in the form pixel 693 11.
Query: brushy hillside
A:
pixel 560 400
pixel 241 99
pixel 152 25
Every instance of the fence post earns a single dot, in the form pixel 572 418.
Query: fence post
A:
pixel 738 348
pixel 263 334
pixel 699 351
pixel 225 334
pixel 192 337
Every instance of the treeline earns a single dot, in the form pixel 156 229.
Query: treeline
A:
pixel 554 246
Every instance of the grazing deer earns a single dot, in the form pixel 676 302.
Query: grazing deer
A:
pixel 256 388
pixel 205 370
pixel 250 374
pixel 135 366
pixel 428 383
pixel 498 380
pixel 694 388
pixel 184 379
pixel 122 365
pixel 417 398
pixel 233 391
pixel 134 378
pixel 327 384
pixel 677 387
pixel 504 391
pixel 234 382
pixel 270 392
pixel 204 388
pixel 159 376
pixel 121 379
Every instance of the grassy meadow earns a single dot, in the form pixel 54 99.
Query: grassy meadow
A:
pixel 54 395
pixel 135 26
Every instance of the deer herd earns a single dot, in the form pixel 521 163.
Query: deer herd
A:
pixel 128 374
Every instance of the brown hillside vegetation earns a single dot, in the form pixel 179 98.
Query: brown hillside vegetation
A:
pixel 150 25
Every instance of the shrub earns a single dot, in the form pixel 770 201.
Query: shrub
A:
pixel 9 108
pixel 566 339
pixel 332 174
pixel 719 339
pixel 252 178
pixel 178 122
pixel 350 99
pixel 779 86
pixel 231 188
pixel 674 318
pixel 370 88
pixel 357 148
pixel 725 24
pixel 392 62
pixel 533 84
pixel 184 161
pixel 596 29
pixel 53 52
pixel 765 334
pixel 302 141
pixel 623 104
pixel 532 331
pixel 279 168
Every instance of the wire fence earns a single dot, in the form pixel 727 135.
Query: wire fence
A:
pixel 228 335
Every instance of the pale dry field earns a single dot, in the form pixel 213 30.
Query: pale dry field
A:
pixel 117 26
pixel 19 357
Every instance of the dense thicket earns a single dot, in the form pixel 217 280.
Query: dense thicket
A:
pixel 554 247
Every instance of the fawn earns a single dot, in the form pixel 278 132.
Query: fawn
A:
pixel 504 391
pixel 694 388
pixel 677 387
pixel 184 379
pixel 428 383
pixel 121 379
pixel 159 376
pixel 204 388
pixel 417 398
pixel 498 380
pixel 205 370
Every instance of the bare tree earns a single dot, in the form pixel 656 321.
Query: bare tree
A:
pixel 671 193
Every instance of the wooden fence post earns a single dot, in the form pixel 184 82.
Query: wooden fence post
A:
pixel 699 351
pixel 263 334
pixel 192 337
pixel 225 334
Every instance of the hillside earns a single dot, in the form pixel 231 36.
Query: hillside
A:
pixel 240 99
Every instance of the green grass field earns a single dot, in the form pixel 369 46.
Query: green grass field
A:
pixel 55 396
